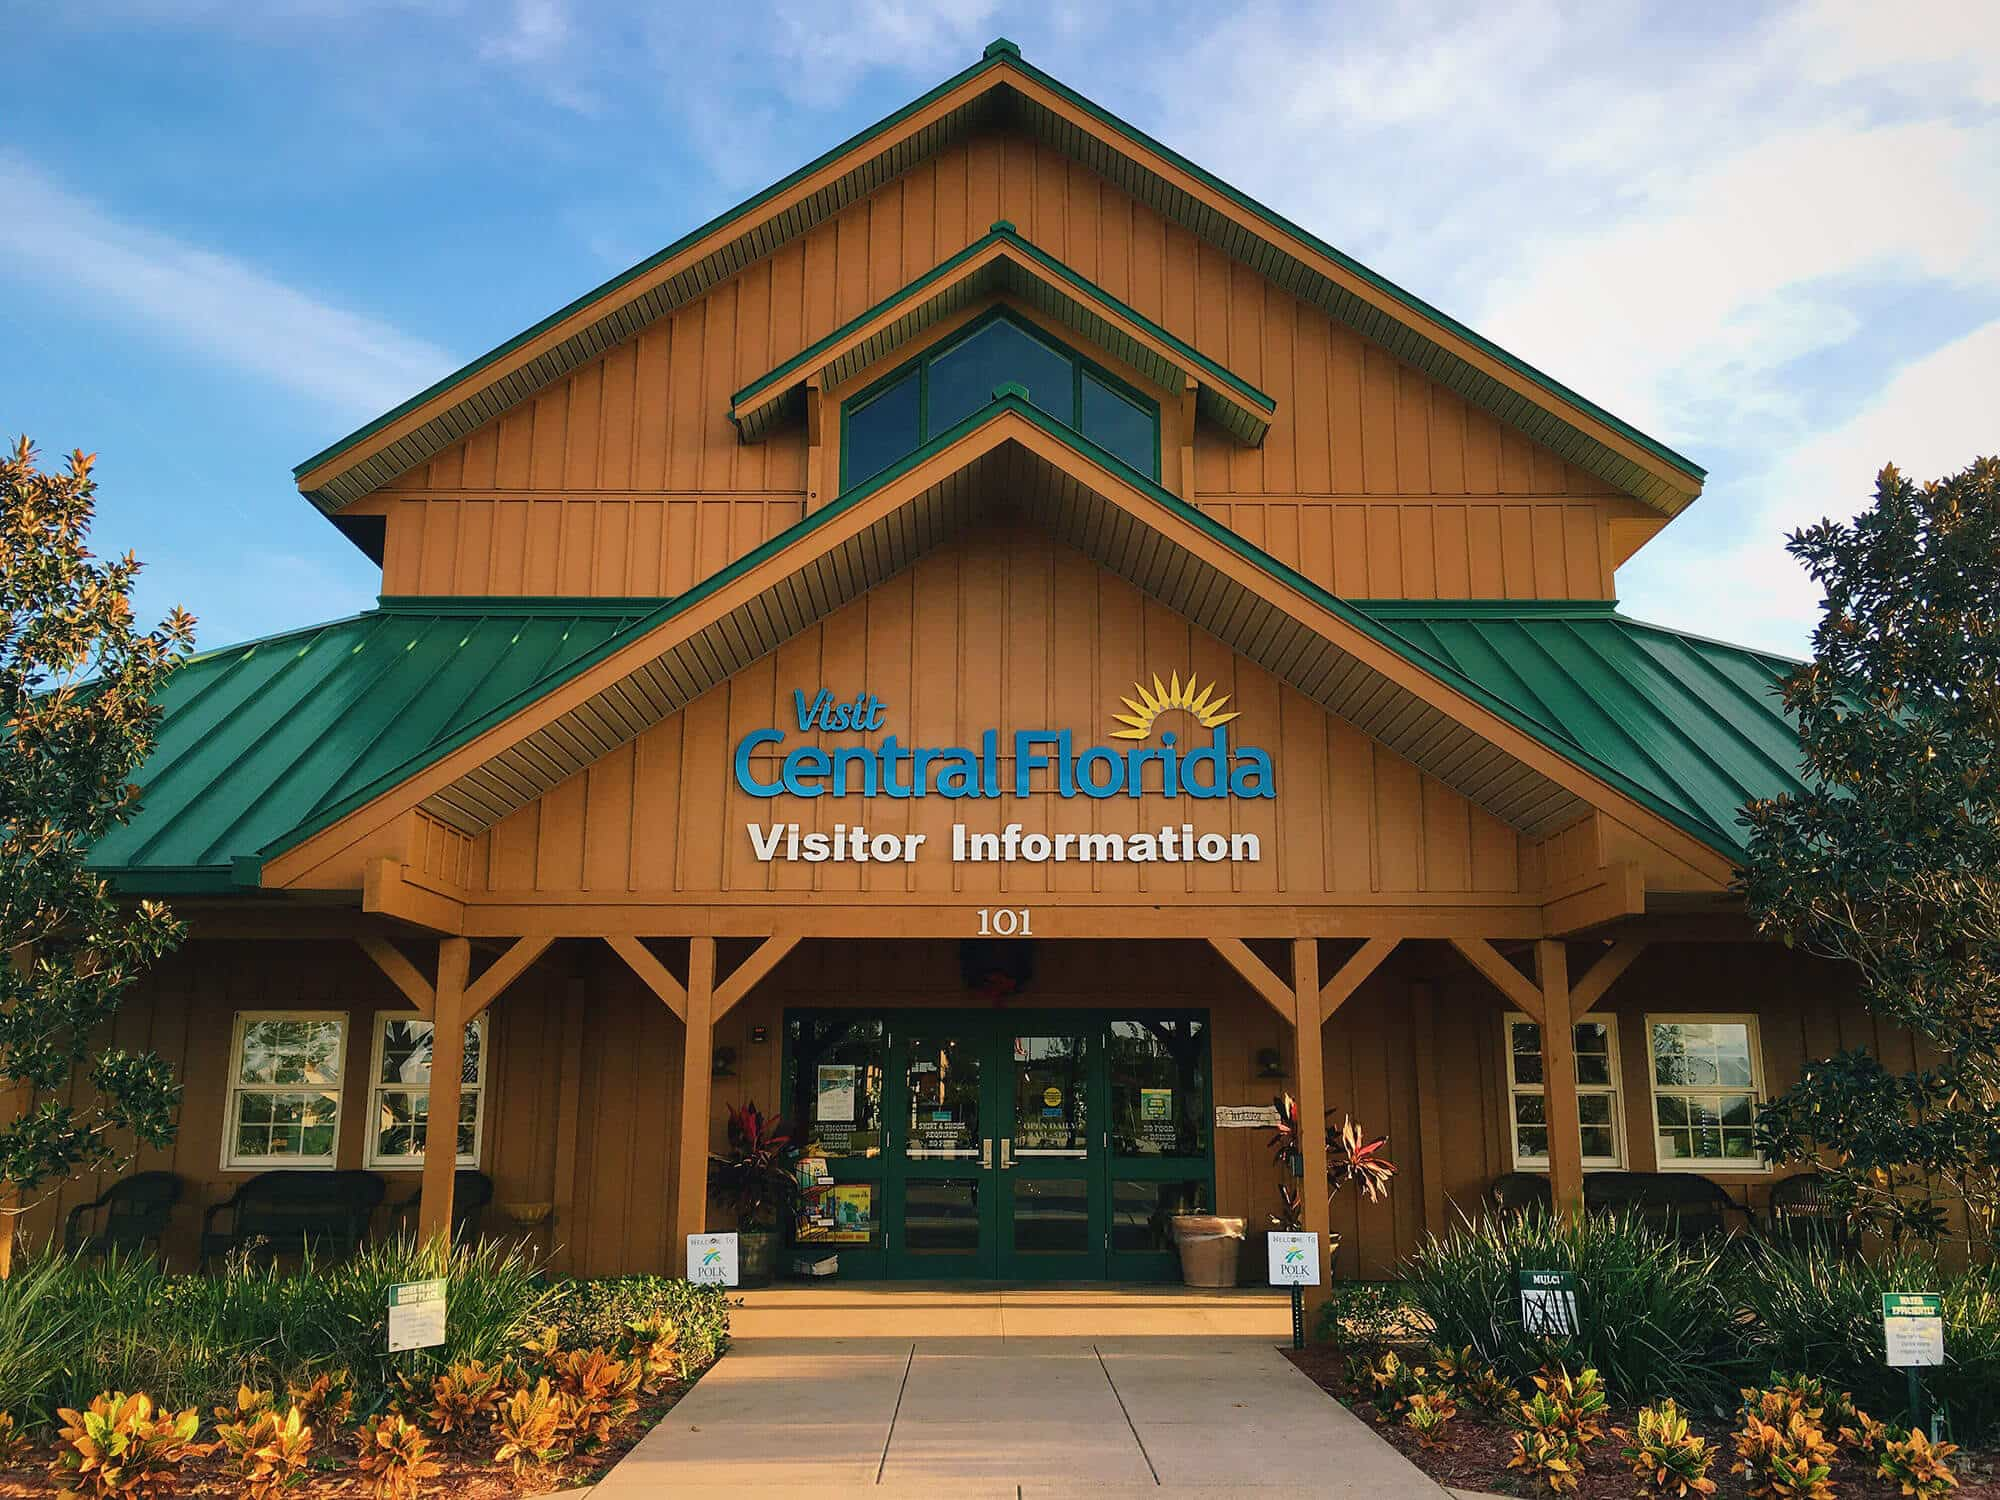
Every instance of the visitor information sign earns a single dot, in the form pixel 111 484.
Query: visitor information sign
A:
pixel 1294 1259
pixel 712 1259
pixel 1548 1303
pixel 1913 1328
pixel 416 1315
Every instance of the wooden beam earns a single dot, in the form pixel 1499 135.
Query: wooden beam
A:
pixel 402 973
pixel 507 968
pixel 1611 894
pixel 1190 399
pixel 1309 1065
pixel 1360 964
pixel 1430 1124
pixel 1590 989
pixel 639 959
pixel 1239 957
pixel 1559 1077
pixel 816 457
pixel 697 1084
pixel 446 1085
pixel 1507 979
pixel 569 1092
pixel 387 890
pixel 766 956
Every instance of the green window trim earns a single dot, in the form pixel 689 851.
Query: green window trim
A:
pixel 1083 371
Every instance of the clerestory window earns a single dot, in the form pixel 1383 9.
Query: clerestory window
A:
pixel 898 414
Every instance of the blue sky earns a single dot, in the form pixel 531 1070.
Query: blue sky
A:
pixel 236 229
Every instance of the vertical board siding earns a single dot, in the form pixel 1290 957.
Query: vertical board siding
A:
pixel 647 423
pixel 631 1057
pixel 1004 629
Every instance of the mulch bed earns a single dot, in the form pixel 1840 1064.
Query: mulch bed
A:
pixel 465 1476
pixel 1475 1451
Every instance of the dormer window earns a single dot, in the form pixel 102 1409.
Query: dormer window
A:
pixel 945 384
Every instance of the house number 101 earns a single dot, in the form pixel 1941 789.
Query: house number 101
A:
pixel 1006 921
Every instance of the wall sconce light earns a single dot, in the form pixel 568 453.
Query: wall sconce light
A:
pixel 1270 1064
pixel 725 1062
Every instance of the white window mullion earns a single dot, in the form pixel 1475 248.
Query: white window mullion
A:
pixel 282 1108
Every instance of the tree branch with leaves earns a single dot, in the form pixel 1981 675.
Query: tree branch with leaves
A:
pixel 1890 861
pixel 78 713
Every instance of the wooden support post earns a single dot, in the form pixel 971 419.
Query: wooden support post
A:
pixel 1430 1126
pixel 1559 1077
pixel 15 1103
pixel 697 1072
pixel 1310 1061
pixel 447 1080
pixel 569 1090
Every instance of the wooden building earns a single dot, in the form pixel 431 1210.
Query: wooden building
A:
pixel 1012 654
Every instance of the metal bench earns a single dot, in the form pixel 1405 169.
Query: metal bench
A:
pixel 1517 1192
pixel 135 1212
pixel 1684 1204
pixel 294 1210
pixel 471 1191
pixel 1803 1212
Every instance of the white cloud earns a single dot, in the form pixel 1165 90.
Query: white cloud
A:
pixel 210 302
pixel 1932 418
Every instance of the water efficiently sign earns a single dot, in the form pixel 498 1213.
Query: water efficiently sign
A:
pixel 1043 761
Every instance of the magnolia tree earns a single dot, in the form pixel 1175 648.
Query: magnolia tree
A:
pixel 1891 861
pixel 77 717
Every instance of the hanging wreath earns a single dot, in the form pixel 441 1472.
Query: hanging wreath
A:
pixel 996 969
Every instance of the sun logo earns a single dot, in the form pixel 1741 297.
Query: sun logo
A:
pixel 1203 707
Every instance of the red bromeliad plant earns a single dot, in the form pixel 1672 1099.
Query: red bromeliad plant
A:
pixel 1351 1157
pixel 756 1176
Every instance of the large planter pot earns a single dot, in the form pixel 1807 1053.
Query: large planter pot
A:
pixel 756 1256
pixel 1208 1246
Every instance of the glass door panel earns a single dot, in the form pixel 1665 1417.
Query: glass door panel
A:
pixel 1161 1118
pixel 1052 1211
pixel 837 1068
pixel 942 1149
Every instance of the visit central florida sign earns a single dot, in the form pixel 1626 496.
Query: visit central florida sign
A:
pixel 1147 760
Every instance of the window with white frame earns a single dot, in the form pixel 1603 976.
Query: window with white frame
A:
pixel 1707 1081
pixel 399 1092
pixel 284 1089
pixel 1596 1093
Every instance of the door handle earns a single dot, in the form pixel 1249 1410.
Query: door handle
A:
pixel 1006 1153
pixel 986 1154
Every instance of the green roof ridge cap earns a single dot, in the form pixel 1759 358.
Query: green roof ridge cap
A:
pixel 1004 233
pixel 632 273
pixel 1373 278
pixel 1001 53
pixel 1550 736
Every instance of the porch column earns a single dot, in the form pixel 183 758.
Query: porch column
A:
pixel 1559 1077
pixel 697 1072
pixel 447 1080
pixel 1310 1060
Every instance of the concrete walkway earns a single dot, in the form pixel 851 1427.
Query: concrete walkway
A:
pixel 1222 1415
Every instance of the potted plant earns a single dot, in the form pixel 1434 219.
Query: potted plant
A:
pixel 757 1180
pixel 1351 1157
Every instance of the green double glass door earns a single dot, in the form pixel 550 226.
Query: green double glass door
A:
pixel 1029 1145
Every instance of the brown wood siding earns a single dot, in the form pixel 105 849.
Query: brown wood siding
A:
pixel 1007 629
pixel 619 1199
pixel 649 419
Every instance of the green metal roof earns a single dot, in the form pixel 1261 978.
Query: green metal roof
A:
pixel 1038 278
pixel 267 743
pixel 1693 721
pixel 483 398
pixel 258 738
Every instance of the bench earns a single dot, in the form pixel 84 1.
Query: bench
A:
pixel 471 1191
pixel 135 1212
pixel 294 1210
pixel 1803 1212
pixel 1684 1204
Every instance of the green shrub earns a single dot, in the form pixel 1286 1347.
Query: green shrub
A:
pixel 599 1314
pixel 1805 1309
pixel 1654 1314
pixel 1369 1315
